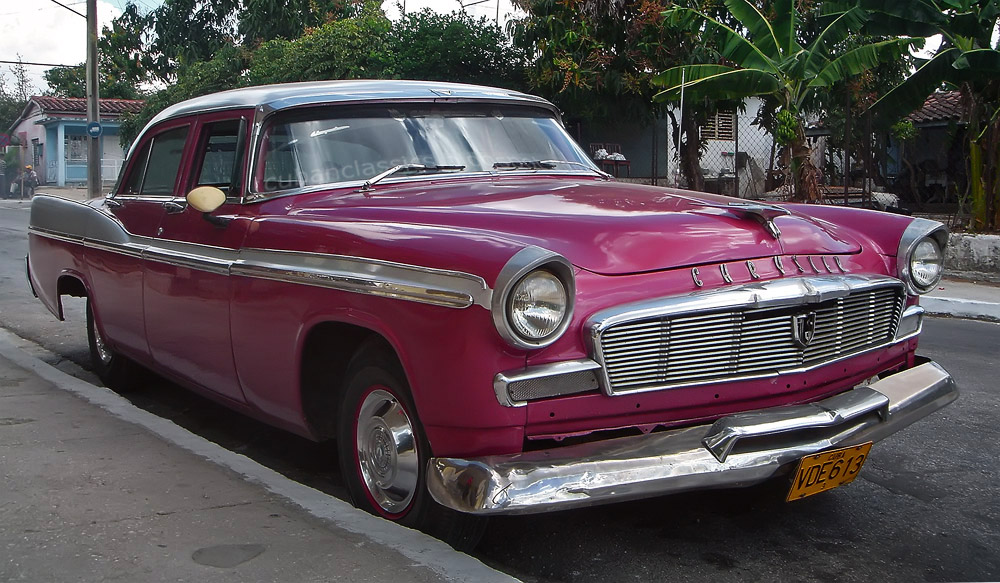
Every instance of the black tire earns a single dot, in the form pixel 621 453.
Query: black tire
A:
pixel 391 482
pixel 119 373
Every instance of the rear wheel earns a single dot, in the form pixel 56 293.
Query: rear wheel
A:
pixel 383 451
pixel 117 372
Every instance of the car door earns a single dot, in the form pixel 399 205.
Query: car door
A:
pixel 116 271
pixel 187 285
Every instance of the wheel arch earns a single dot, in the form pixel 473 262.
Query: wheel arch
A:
pixel 326 353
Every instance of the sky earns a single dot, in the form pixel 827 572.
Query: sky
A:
pixel 42 31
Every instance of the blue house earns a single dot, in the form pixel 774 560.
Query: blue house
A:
pixel 52 133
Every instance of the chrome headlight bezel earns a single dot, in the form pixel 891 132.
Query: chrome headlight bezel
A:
pixel 918 231
pixel 518 268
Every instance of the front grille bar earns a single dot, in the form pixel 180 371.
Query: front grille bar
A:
pixel 743 332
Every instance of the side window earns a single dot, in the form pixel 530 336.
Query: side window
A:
pixel 133 182
pixel 164 162
pixel 218 154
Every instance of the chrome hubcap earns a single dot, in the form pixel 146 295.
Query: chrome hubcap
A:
pixel 387 451
pixel 102 349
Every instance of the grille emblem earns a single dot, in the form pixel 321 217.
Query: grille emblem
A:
pixel 804 329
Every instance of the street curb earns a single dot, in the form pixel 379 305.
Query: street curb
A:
pixel 960 308
pixel 425 551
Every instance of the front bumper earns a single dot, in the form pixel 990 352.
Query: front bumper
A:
pixel 738 450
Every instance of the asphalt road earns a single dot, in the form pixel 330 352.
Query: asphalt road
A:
pixel 924 509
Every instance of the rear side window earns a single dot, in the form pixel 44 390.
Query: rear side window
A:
pixel 164 162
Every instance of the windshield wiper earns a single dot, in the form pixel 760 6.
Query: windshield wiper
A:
pixel 546 165
pixel 408 168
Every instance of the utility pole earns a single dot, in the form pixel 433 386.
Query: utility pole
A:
pixel 93 104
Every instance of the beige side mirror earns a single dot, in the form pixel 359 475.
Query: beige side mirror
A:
pixel 206 199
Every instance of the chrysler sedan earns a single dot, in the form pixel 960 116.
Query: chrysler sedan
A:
pixel 437 277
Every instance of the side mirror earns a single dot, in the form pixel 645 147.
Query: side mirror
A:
pixel 206 199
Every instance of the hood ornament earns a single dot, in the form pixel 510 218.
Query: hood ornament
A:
pixel 762 213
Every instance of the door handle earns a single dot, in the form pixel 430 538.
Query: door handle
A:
pixel 174 207
pixel 113 204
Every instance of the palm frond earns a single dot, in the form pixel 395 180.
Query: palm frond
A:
pixel 725 83
pixel 911 93
pixel 861 59
pixel 732 45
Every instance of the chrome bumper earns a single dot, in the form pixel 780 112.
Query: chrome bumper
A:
pixel 739 450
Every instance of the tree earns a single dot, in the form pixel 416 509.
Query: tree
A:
pixel 188 31
pixel 454 47
pixel 14 94
pixel 593 58
pixel 770 55
pixel 264 20
pixel 354 48
pixel 966 60
pixel 124 63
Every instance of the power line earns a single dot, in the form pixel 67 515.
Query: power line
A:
pixel 35 64
pixel 70 9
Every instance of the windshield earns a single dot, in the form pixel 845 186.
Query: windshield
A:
pixel 331 145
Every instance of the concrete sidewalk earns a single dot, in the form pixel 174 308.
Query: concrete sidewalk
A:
pixel 964 299
pixel 94 489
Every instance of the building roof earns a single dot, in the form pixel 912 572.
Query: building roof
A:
pixel 943 106
pixel 74 105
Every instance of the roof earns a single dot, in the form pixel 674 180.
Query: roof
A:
pixel 288 95
pixel 939 107
pixel 79 105
pixel 76 107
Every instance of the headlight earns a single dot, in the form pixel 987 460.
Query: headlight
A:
pixel 533 298
pixel 537 305
pixel 920 255
pixel 925 264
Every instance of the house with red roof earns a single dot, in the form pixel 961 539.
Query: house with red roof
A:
pixel 52 133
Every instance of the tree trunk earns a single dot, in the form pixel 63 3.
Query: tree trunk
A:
pixel 691 152
pixel 803 170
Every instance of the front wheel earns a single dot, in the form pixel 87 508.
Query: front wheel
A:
pixel 116 371
pixel 383 452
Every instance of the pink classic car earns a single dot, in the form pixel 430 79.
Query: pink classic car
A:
pixel 437 277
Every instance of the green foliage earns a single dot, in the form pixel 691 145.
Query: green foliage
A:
pixel 592 57
pixel 790 58
pixel 264 20
pixel 454 47
pixel 188 31
pixel 903 131
pixel 226 71
pixel 967 60
pixel 354 48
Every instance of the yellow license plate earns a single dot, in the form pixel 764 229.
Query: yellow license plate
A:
pixel 827 470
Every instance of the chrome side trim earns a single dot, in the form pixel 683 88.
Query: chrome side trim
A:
pixel 677 460
pixel 369 276
pixel 914 233
pixel 502 380
pixel 80 224
pixel 75 239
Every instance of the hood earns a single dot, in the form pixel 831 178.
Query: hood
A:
pixel 608 228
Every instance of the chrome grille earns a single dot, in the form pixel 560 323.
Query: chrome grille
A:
pixel 682 349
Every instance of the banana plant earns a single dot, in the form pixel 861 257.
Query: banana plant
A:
pixel 967 60
pixel 769 55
